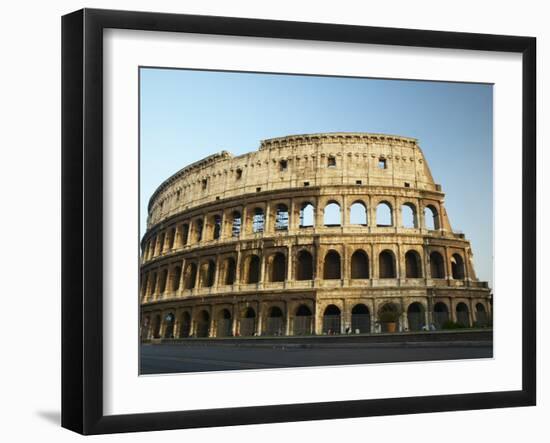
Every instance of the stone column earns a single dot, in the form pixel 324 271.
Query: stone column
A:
pixel 289 263
pixel 182 278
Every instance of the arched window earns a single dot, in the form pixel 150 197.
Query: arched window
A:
pixel 331 320
pixel 281 217
pixel 236 224
pixel 161 243
pixel 190 275
pixel 431 218
pixel 416 317
pixel 198 230
pixel 304 266
pixel 408 215
pixel 156 326
pixel 457 265
pixel 176 278
pixel 332 215
pixel 185 326
pixel 152 246
pixel 307 216
pixel 253 269
pixel 441 315
pixel 437 267
pixel 302 321
pixel 360 319
pixel 225 323
pixel 208 271
pixel 384 214
pixel 331 269
pixel 386 263
pixel 359 264
pixel 163 278
pixel 258 220
pixel 481 316
pixel 358 214
pixel 153 284
pixel 184 234
pixel 217 227
pixel 413 267
pixel 275 321
pixel 143 285
pixel 247 322
pixel 278 267
pixel 203 324
pixel 171 238
pixel 230 271
pixel 463 314
pixel 169 325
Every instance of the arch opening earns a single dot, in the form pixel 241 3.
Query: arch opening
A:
pixel 384 216
pixel 190 275
pixel 408 215
pixel 278 267
pixel 258 220
pixel 203 324
pixel 413 266
pixel 236 224
pixel 247 322
pixel 386 262
pixel 332 320
pixel 437 266
pixel 440 315
pixel 431 218
pixel 457 267
pixel 416 317
pixel 359 265
pixel 169 325
pixel 332 267
pixel 253 269
pixel 275 321
pixel 463 315
pixel 307 215
pixel 360 319
pixel 185 325
pixel 358 214
pixel 281 217
pixel 304 266
pixel 303 321
pixel 332 216
pixel 482 319
pixel 224 324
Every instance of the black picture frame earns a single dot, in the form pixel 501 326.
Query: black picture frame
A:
pixel 82 218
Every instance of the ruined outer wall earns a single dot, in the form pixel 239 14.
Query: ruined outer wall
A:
pixel 356 155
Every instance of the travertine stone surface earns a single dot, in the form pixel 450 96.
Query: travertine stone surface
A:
pixel 229 249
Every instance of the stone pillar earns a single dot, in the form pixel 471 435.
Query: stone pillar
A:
pixel 421 220
pixel 182 278
pixel 398 214
pixel 259 318
pixel 319 215
pixel 345 211
pixel 216 272
pixel 289 263
pixel 238 269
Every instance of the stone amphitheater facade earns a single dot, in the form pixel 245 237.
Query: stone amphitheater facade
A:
pixel 310 234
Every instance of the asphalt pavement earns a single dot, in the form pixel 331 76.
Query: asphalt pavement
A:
pixel 162 358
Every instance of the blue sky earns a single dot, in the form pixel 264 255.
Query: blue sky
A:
pixel 187 115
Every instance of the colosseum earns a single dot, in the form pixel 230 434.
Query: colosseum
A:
pixel 335 233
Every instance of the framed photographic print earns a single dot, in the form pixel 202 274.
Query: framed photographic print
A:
pixel 310 220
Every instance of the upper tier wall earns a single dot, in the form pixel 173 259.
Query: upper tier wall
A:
pixel 293 161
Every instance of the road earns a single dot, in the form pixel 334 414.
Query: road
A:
pixel 174 358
